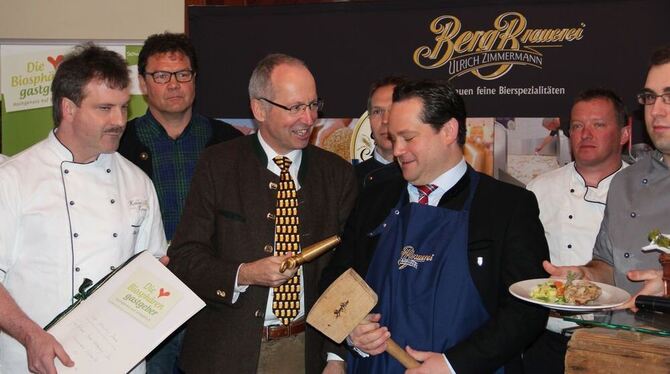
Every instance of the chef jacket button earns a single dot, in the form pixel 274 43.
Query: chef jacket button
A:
pixel 570 216
pixel 221 293
pixel 66 171
pixel 569 246
pixel 645 181
pixel 115 235
pixel 272 185
pixel 259 314
pixel 572 190
pixel 76 235
pixel 268 248
pixel 626 255
pixel 77 269
pixel 270 216
pixel 112 201
pixel 112 268
pixel 71 202
pixel 144 156
pixel 633 215
pixel 108 171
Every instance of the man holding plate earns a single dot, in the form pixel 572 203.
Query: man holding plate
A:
pixel 636 201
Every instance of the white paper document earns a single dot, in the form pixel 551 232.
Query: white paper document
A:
pixel 125 318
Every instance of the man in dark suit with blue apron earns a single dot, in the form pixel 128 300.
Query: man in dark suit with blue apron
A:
pixel 440 245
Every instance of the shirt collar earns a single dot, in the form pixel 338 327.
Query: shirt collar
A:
pixel 444 183
pixel 377 156
pixel 65 155
pixel 295 156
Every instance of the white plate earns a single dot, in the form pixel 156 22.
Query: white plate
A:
pixel 611 296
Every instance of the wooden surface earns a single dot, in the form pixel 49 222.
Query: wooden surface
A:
pixel 600 350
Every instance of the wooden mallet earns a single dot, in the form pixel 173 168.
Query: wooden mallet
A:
pixel 345 303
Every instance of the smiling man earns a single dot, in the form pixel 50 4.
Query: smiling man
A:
pixel 236 231
pixel 468 236
pixel 572 202
pixel 72 209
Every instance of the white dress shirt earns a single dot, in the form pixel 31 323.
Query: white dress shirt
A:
pixel 296 158
pixel 444 183
pixel 62 222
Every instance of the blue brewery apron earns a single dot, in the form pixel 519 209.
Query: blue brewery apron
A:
pixel 420 271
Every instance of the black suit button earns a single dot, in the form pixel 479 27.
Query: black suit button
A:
pixel 144 156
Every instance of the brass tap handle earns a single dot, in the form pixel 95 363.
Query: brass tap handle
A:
pixel 310 253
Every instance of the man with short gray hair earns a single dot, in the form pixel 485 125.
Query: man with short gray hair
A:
pixel 232 236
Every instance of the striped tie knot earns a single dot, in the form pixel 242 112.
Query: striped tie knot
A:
pixel 424 191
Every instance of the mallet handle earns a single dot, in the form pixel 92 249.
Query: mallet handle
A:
pixel 399 354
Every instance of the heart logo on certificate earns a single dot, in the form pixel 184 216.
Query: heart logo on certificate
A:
pixel 163 292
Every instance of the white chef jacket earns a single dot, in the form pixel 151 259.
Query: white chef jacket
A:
pixel 62 222
pixel 3 158
pixel 571 214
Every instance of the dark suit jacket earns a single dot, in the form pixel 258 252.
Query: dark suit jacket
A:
pixel 225 223
pixel 371 170
pixel 504 229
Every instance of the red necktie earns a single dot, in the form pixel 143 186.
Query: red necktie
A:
pixel 424 191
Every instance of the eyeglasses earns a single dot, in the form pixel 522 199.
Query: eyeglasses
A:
pixel 163 77
pixel 649 98
pixel 314 106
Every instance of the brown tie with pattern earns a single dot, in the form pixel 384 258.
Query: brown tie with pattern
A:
pixel 286 301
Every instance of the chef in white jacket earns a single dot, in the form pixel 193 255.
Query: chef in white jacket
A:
pixel 3 158
pixel 71 208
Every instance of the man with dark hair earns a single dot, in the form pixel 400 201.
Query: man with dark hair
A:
pixel 572 203
pixel 379 103
pixel 72 209
pixel 635 202
pixel 167 141
pixel 236 231
pixel 440 245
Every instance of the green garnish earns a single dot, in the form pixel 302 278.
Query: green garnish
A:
pixel 659 239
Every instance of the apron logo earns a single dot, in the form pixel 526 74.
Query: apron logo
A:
pixel 409 258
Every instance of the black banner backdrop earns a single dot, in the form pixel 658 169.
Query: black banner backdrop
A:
pixel 523 59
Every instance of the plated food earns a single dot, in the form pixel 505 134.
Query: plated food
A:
pixel 573 292
pixel 581 296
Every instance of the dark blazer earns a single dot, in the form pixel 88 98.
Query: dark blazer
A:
pixel 226 222
pixel 504 230
pixel 371 170
pixel 139 154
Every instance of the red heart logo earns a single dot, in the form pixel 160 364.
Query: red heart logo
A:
pixel 162 292
pixel 55 61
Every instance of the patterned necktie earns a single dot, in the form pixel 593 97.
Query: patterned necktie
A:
pixel 424 191
pixel 286 301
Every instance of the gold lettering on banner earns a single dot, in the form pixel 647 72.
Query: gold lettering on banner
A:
pixel 510 42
